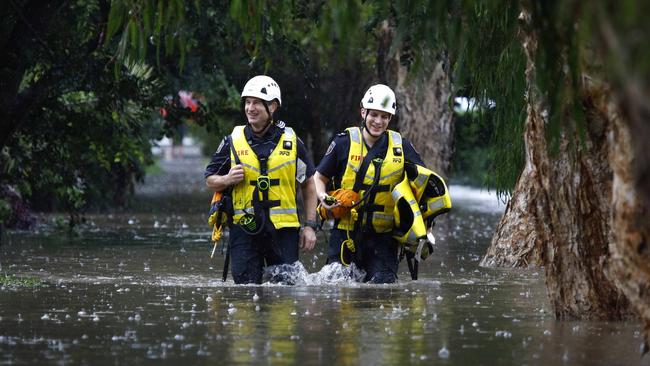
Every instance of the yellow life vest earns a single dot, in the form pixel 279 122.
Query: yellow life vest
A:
pixel 280 178
pixel 430 192
pixel 409 224
pixel 392 169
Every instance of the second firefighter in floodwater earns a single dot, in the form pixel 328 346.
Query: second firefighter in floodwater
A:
pixel 383 194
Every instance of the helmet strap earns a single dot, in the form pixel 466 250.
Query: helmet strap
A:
pixel 270 120
pixel 266 106
pixel 363 123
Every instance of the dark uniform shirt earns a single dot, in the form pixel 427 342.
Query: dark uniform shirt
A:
pixel 263 147
pixel 335 160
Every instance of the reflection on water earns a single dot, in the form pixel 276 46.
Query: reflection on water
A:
pixel 140 287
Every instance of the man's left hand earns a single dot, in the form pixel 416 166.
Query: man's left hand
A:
pixel 307 239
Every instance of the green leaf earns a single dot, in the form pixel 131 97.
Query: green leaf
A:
pixel 159 21
pixel 115 19
pixel 142 45
pixel 133 39
pixel 148 16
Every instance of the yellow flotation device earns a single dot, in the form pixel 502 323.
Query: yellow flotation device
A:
pixel 409 225
pixel 419 198
pixel 430 191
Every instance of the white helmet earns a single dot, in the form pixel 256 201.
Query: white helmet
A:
pixel 262 87
pixel 381 98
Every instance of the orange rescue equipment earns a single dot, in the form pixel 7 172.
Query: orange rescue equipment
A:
pixel 346 199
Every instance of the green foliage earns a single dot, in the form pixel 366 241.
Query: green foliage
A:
pixel 12 281
pixel 479 38
pixel 133 25
pixel 79 91
pixel 472 145
pixel 85 138
pixel 489 66
pixel 283 43
pixel 96 140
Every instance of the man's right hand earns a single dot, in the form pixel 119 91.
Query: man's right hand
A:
pixel 235 175
pixel 327 201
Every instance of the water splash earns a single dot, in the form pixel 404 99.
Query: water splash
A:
pixel 336 273
pixel 296 274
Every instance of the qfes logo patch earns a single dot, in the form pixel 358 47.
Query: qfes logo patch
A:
pixel 330 148
pixel 221 146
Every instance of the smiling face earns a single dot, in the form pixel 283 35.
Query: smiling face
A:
pixel 376 122
pixel 256 113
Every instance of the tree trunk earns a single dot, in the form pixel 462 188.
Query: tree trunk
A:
pixel 630 254
pixel 520 235
pixel 560 209
pixel 630 161
pixel 517 242
pixel 424 115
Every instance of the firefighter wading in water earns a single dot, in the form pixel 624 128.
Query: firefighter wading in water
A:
pixel 259 164
pixel 370 161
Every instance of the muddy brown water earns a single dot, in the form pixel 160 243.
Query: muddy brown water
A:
pixel 139 287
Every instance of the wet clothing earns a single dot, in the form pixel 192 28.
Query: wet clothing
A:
pixel 377 252
pixel 251 252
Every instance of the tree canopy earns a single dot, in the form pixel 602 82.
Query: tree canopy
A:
pixel 77 120
pixel 82 82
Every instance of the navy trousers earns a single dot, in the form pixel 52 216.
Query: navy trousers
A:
pixel 249 254
pixel 378 254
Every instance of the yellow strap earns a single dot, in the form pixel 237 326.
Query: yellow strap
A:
pixel 349 243
pixel 216 236
pixel 216 232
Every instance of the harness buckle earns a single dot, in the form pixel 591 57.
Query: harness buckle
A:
pixel 263 183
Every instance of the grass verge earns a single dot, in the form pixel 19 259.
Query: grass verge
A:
pixel 13 281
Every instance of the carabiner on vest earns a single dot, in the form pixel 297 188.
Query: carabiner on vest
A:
pixel 263 183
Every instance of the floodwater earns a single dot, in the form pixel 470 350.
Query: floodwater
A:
pixel 140 287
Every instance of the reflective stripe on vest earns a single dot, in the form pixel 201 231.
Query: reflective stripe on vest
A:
pixel 281 168
pixel 392 170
